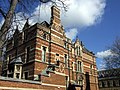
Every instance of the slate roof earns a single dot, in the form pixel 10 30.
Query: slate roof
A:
pixel 17 60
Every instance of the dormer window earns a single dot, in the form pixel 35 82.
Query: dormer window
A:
pixel 78 51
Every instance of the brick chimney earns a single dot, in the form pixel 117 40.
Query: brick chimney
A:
pixel 55 17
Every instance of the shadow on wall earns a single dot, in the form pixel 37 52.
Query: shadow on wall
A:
pixel 87 77
pixel 71 87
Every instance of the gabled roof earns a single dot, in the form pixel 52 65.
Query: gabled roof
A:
pixel 26 25
pixel 87 51
pixel 16 32
pixel 44 23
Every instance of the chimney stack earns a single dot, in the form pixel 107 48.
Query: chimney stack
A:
pixel 55 16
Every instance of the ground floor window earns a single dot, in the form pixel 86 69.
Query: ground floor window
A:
pixel 26 75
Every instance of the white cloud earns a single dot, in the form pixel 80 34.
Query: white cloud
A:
pixel 71 33
pixel 104 54
pixel 41 13
pixel 81 13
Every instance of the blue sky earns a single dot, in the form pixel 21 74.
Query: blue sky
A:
pixel 95 22
pixel 98 37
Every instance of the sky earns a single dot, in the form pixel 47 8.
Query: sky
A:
pixel 95 22
pixel 100 36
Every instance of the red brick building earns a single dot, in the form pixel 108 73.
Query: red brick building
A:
pixel 42 52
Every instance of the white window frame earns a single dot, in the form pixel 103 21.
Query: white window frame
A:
pixel 44 50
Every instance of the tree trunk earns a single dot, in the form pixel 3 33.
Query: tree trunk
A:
pixel 6 25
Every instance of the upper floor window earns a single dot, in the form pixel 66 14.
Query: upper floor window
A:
pixel 28 54
pixel 65 44
pixel 78 51
pixel 73 66
pixel 44 36
pixel 23 36
pixel 9 58
pixel 79 66
pixel 66 60
pixel 44 54
pixel 57 59
pixel 91 67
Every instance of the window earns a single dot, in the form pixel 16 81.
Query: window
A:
pixel 65 60
pixel 28 54
pixel 116 82
pixel 100 84
pixel 80 82
pixel 23 36
pixel 77 50
pixel 73 65
pixel 44 36
pixel 79 66
pixel 13 42
pixel 57 59
pixel 80 79
pixel 105 83
pixel 26 75
pixel 9 58
pixel 91 67
pixel 65 44
pixel 57 54
pixel 111 83
pixel 44 54
pixel 17 75
pixel 18 67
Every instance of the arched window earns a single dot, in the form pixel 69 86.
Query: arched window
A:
pixel 79 66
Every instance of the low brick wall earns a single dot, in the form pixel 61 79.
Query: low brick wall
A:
pixel 17 84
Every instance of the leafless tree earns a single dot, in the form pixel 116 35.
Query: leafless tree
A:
pixel 113 61
pixel 14 6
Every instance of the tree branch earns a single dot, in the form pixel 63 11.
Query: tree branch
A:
pixel 3 13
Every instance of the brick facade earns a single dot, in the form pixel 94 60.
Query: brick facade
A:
pixel 42 52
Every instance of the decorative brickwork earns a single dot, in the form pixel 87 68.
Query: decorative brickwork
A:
pixel 44 54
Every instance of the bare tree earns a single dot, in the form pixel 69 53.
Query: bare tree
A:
pixel 13 8
pixel 113 61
